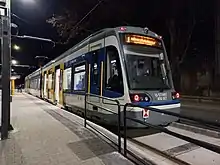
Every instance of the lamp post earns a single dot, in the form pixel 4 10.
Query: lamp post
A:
pixel 5 35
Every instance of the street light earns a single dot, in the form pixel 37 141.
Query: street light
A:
pixel 30 2
pixel 16 47
pixel 14 62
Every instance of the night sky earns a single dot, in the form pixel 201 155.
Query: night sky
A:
pixel 152 14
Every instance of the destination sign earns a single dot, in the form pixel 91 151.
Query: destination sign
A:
pixel 141 40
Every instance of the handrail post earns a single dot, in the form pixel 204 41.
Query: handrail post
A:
pixel 119 116
pixel 85 115
pixel 125 131
pixel 119 127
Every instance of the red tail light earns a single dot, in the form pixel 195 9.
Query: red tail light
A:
pixel 139 97
pixel 175 95
pixel 136 98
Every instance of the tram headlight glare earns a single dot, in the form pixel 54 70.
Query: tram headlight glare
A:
pixel 146 98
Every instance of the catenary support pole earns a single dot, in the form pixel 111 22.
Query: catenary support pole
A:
pixel 6 67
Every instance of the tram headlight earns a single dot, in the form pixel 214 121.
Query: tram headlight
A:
pixel 146 98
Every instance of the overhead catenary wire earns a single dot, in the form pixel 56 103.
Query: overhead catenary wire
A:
pixel 82 19
pixel 94 7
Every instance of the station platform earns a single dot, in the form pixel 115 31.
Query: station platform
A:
pixel 43 135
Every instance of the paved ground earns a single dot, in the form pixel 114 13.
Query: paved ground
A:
pixel 46 135
pixel 43 137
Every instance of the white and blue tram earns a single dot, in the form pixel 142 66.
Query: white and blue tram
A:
pixel 129 64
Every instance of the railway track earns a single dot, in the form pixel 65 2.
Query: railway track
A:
pixel 204 126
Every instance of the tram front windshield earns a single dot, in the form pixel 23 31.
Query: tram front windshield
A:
pixel 146 72
pixel 147 67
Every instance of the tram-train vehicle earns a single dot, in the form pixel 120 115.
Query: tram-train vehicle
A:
pixel 129 64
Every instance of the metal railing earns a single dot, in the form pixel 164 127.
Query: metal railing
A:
pixel 108 110
pixel 119 122
pixel 203 144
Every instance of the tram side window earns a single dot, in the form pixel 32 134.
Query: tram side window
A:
pixel 35 83
pixel 67 79
pixel 38 83
pixel 113 79
pixel 79 77
pixel 30 84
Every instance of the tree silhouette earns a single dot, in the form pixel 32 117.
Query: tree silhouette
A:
pixel 177 17
pixel 180 21
pixel 70 22
pixel 87 17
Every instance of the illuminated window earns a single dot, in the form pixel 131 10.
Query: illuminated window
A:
pixel 113 73
pixel 50 81
pixel 67 79
pixel 79 78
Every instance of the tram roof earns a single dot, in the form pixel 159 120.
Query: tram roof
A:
pixel 101 34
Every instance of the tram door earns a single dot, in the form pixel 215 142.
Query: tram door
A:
pixel 57 85
pixel 45 85
pixel 95 78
